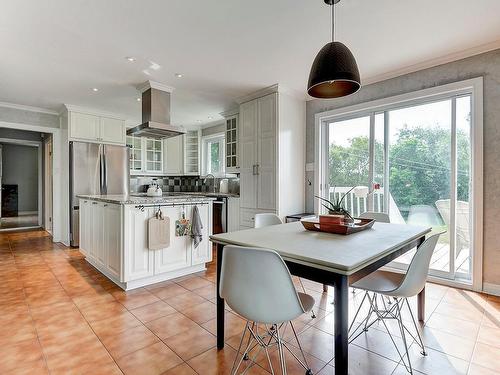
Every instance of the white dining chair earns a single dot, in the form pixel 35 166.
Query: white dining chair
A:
pixel 257 285
pixel 399 287
pixel 266 219
pixel 381 217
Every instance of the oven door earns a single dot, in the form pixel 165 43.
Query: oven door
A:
pixel 219 216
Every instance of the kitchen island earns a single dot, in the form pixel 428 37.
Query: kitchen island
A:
pixel 114 237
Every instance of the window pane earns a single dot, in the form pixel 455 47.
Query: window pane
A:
pixel 214 157
pixel 464 183
pixel 348 161
pixel 420 172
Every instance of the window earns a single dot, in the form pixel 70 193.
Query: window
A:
pixel 414 155
pixel 213 155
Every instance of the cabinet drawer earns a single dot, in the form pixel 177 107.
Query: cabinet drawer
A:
pixel 247 216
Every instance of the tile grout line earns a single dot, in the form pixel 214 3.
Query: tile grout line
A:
pixel 29 309
pixel 83 316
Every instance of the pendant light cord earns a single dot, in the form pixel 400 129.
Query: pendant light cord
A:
pixel 333 21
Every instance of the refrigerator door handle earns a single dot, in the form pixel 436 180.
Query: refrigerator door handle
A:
pixel 101 173
pixel 104 172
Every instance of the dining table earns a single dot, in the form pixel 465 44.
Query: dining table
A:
pixel 330 259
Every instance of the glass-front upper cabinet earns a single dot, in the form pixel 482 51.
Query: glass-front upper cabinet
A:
pixel 146 155
pixel 154 155
pixel 232 162
pixel 135 144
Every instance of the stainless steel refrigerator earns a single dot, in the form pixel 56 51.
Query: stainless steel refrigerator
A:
pixel 95 169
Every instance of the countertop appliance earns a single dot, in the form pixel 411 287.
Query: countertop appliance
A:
pixel 95 169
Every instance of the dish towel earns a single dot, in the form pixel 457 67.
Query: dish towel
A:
pixel 196 227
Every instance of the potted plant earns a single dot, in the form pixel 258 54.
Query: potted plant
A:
pixel 336 212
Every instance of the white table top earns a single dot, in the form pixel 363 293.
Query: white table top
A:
pixel 345 254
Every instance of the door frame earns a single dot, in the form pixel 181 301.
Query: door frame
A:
pixel 59 199
pixel 38 145
pixel 474 87
pixel 48 184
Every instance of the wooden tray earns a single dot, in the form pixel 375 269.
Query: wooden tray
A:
pixel 344 228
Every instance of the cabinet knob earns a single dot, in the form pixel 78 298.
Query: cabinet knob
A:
pixel 94 202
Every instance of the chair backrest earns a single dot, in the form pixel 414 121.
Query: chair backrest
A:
pixel 381 217
pixel 416 275
pixel 257 285
pixel 266 219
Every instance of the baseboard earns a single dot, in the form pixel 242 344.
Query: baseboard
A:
pixel 493 289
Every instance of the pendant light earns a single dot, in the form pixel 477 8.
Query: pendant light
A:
pixel 334 72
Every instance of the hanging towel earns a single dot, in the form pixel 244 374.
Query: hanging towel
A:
pixel 158 232
pixel 196 227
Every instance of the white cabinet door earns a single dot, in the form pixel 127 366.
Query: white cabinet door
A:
pixel 112 239
pixel 233 214
pixel 98 230
pixel 139 260
pixel 178 254
pixel 83 126
pixel 112 130
pixel 248 154
pixel 266 159
pixel 173 160
pixel 203 252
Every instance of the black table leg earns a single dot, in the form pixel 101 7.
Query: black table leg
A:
pixel 421 305
pixel 341 296
pixel 421 295
pixel 220 301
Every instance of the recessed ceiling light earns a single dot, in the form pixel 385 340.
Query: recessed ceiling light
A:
pixel 138 99
pixel 210 117
pixel 130 58
pixel 178 75
pixel 95 89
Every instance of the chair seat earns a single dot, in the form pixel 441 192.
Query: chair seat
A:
pixel 382 282
pixel 307 301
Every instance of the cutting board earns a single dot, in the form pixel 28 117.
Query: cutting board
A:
pixel 158 233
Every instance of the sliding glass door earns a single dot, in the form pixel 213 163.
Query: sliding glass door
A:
pixel 414 163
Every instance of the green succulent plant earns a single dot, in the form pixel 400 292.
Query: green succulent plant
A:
pixel 335 207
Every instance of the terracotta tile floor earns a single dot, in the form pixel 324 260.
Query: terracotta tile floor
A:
pixel 60 316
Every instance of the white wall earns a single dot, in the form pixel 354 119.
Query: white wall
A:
pixel 20 167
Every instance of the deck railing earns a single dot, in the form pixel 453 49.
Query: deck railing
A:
pixel 356 205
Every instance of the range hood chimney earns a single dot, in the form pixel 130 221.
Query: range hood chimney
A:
pixel 156 113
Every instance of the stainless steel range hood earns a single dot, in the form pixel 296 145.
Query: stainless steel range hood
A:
pixel 156 113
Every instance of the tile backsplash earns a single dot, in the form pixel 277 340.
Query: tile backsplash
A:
pixel 174 184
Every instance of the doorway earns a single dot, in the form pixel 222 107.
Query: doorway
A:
pixel 21 177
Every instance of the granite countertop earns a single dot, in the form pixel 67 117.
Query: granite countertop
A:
pixel 144 200
pixel 195 193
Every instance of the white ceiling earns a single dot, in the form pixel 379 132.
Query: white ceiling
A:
pixel 56 51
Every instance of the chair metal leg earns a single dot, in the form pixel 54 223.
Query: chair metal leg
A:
pixel 304 364
pixel 281 353
pixel 420 341
pixel 233 369
pixel 403 336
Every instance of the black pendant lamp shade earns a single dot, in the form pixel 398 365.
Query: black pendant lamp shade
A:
pixel 334 72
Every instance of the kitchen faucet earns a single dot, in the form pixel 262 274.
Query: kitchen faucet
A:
pixel 206 178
